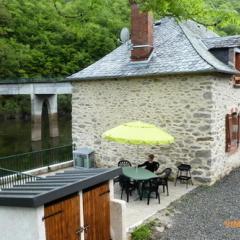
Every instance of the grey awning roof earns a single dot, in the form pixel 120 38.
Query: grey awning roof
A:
pixel 50 188
pixel 178 49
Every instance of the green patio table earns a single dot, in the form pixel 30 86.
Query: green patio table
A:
pixel 138 174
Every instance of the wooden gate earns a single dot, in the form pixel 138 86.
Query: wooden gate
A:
pixel 62 219
pixel 96 205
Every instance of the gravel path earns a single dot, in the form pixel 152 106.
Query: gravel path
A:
pixel 200 215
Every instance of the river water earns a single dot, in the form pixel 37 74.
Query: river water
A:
pixel 15 136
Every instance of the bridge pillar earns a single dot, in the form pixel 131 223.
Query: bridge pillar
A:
pixel 53 116
pixel 36 112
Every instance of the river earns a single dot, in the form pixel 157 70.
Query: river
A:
pixel 15 136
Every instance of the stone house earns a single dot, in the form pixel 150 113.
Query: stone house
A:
pixel 177 75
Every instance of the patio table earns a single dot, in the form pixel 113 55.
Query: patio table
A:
pixel 138 174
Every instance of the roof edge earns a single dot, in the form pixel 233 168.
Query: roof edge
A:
pixel 151 75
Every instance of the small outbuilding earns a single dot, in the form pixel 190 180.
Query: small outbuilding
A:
pixel 72 205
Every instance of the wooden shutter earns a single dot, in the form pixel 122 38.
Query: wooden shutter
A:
pixel 237 61
pixel 228 132
pixel 237 66
pixel 234 129
pixel 238 140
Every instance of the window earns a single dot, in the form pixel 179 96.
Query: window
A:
pixel 237 66
pixel 232 131
pixel 237 61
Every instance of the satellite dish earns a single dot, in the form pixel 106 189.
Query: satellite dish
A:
pixel 124 35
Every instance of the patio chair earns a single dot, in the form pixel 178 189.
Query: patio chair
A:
pixel 122 163
pixel 163 180
pixel 126 185
pixel 184 174
pixel 150 186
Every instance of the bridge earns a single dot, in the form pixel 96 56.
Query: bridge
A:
pixel 41 93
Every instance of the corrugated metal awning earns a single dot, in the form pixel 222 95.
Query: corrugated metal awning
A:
pixel 50 188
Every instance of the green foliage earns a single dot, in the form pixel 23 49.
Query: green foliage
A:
pixel 52 38
pixel 55 38
pixel 220 15
pixel 64 104
pixel 10 106
pixel 143 232
pixel 228 16
pixel 182 9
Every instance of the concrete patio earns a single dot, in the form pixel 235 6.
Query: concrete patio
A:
pixel 138 211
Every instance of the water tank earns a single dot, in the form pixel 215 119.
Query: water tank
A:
pixel 83 157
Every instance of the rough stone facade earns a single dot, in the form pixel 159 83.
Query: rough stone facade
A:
pixel 226 99
pixel 191 108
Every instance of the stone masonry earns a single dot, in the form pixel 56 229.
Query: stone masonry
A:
pixel 192 108
pixel 225 98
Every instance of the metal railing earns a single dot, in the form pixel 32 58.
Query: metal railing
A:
pixel 37 159
pixel 33 80
pixel 9 178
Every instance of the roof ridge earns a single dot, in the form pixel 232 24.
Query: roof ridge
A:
pixel 193 45
pixel 206 56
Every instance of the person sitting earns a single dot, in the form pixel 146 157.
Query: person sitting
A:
pixel 150 164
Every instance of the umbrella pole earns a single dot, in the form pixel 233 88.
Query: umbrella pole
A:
pixel 138 153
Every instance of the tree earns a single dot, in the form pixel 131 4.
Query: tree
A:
pixel 38 42
pixel 218 14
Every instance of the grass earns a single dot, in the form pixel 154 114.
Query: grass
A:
pixel 143 232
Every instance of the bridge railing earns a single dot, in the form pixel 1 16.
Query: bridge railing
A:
pixel 37 159
pixel 9 178
pixel 33 80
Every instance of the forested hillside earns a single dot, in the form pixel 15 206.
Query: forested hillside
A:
pixel 46 38
pixel 55 38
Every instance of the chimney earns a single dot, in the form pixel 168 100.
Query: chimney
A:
pixel 141 33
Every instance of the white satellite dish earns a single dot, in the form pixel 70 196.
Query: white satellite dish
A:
pixel 124 35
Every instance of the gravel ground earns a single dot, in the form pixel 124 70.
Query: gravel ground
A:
pixel 200 215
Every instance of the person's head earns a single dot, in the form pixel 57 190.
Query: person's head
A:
pixel 150 157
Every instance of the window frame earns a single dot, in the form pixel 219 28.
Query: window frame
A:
pixel 232 128
pixel 236 78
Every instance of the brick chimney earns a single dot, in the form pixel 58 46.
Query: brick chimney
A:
pixel 141 33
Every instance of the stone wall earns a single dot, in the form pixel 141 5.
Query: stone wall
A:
pixel 183 106
pixel 225 98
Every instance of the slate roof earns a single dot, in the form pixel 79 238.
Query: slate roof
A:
pixel 178 49
pixel 50 188
pixel 222 42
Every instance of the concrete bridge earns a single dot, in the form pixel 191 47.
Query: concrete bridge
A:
pixel 41 93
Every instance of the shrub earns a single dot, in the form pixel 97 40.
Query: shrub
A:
pixel 143 232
